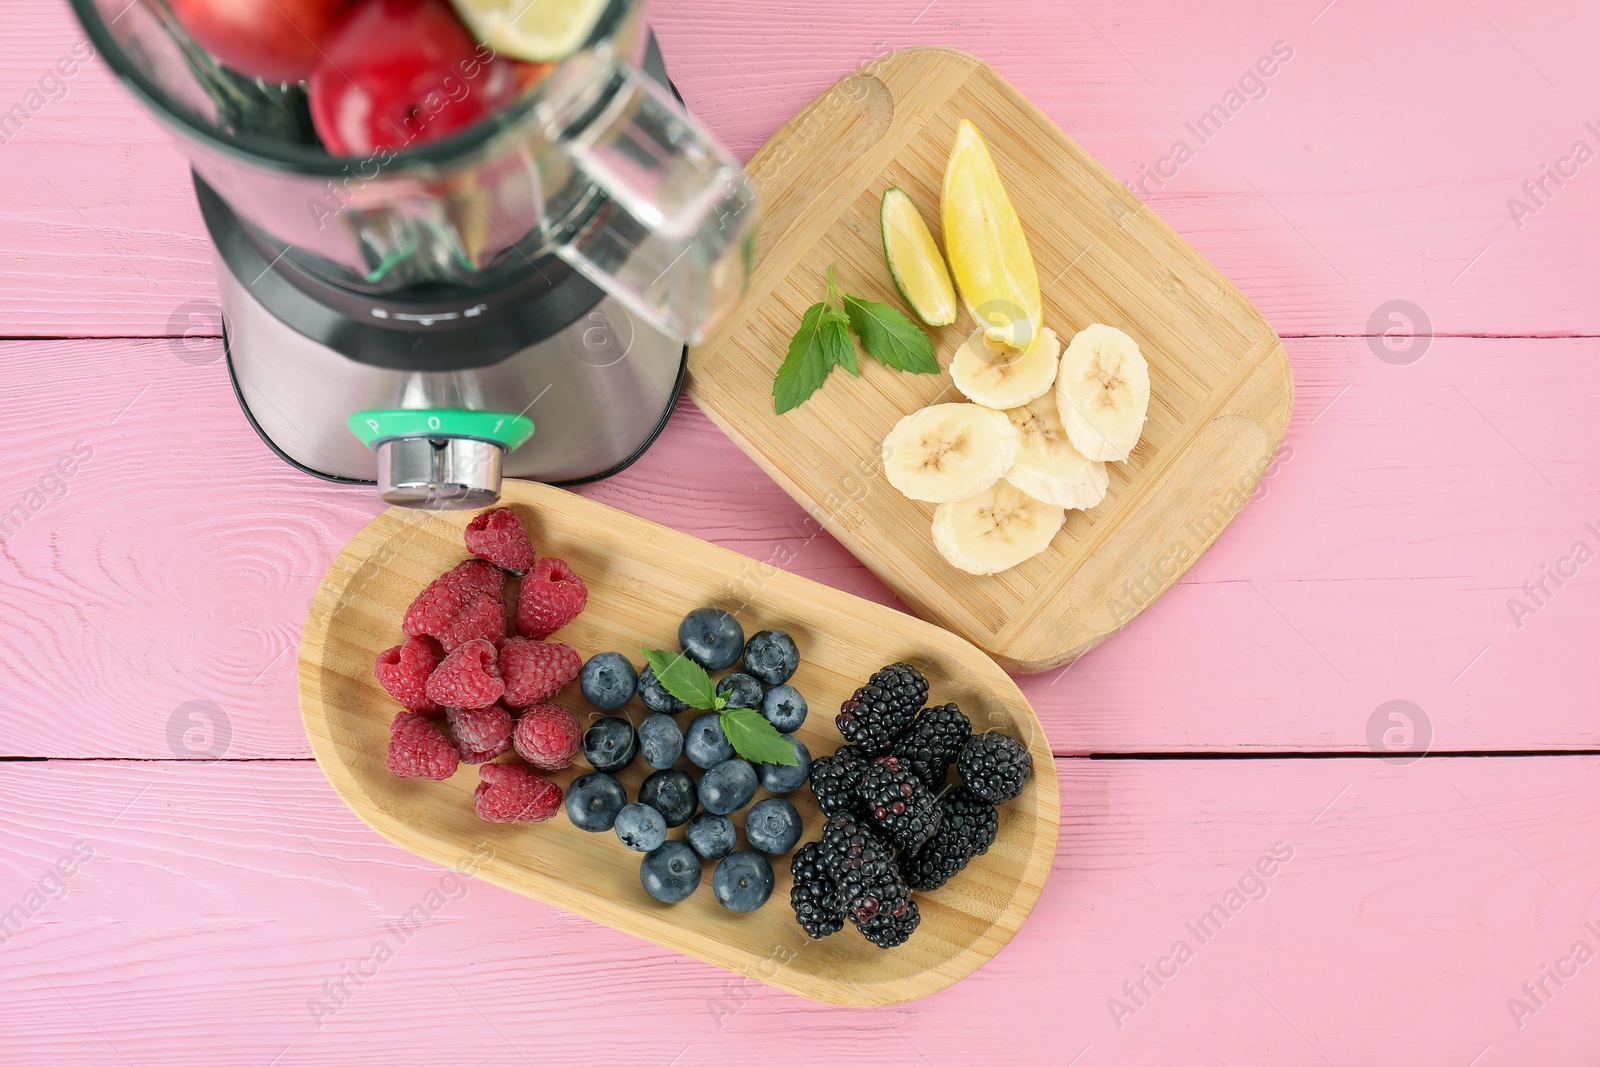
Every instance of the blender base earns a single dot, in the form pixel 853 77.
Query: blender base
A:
pixel 677 388
pixel 598 392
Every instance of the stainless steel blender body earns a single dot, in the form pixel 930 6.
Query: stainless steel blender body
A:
pixel 546 264
pixel 597 391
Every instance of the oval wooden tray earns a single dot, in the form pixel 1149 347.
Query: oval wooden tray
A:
pixel 642 579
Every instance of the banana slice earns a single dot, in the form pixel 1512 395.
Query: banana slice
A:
pixel 1048 468
pixel 1007 379
pixel 949 451
pixel 1103 392
pixel 996 530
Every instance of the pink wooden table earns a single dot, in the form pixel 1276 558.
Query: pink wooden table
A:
pixel 1419 541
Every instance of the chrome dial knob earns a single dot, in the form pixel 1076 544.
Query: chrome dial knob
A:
pixel 439 473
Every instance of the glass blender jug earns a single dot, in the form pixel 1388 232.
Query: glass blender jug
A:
pixel 413 316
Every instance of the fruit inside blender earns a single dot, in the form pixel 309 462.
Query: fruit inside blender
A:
pixel 359 77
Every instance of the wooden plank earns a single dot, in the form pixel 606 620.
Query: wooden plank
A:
pixel 178 562
pixel 1445 121
pixel 223 904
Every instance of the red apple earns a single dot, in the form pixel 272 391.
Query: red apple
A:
pixel 272 39
pixel 396 73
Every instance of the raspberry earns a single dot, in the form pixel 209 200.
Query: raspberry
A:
pixel 548 736
pixel 536 670
pixel 468 678
pixel 510 792
pixel 480 734
pixel 461 605
pixel 403 671
pixel 418 750
pixel 499 537
pixel 484 619
pixel 551 597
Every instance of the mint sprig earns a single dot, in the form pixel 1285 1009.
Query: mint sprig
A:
pixel 889 337
pixel 750 734
pixel 823 342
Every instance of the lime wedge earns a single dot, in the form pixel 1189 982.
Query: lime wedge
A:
pixel 914 261
pixel 989 253
pixel 539 31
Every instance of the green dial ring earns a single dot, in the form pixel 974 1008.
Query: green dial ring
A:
pixel 371 427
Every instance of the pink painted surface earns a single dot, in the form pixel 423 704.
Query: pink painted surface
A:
pixel 1411 503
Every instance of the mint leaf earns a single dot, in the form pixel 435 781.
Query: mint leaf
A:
pixel 683 678
pixel 891 338
pixel 806 366
pixel 754 738
pixel 719 701
pixel 836 341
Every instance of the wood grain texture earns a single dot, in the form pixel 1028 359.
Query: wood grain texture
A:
pixel 221 901
pixel 1377 165
pixel 1376 564
pixel 1220 389
pixel 642 578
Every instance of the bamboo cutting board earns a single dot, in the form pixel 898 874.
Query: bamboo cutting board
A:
pixel 1221 390
pixel 642 580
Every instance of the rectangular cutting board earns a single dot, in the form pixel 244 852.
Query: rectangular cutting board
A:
pixel 642 579
pixel 1221 390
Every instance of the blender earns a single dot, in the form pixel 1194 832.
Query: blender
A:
pixel 511 299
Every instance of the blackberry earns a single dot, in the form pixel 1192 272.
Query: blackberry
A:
pixel 835 780
pixel 888 930
pixel 994 766
pixel 898 805
pixel 967 830
pixel 872 889
pixel 881 710
pixel 933 743
pixel 815 896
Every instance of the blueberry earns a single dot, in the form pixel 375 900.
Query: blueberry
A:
pixel 654 695
pixel 772 826
pixel 782 778
pixel 743 881
pixel 661 740
pixel 610 744
pixel 742 690
pixel 641 827
pixel 711 836
pixel 593 802
pixel 784 708
pixel 712 638
pixel 671 873
pixel 608 680
pixel 704 742
pixel 672 793
pixel 772 657
pixel 728 786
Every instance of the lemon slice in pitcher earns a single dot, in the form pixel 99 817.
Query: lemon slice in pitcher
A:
pixel 989 253
pixel 539 31
pixel 914 261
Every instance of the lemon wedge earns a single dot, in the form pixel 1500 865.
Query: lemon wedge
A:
pixel 914 261
pixel 539 31
pixel 989 253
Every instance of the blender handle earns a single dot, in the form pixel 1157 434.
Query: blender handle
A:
pixel 668 226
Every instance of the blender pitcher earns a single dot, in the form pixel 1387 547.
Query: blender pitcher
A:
pixel 513 298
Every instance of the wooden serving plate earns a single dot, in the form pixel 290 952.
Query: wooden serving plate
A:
pixel 1221 391
pixel 642 579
